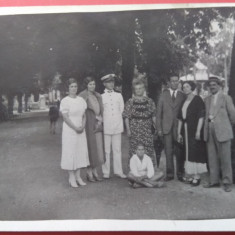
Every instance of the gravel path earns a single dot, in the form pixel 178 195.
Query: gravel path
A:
pixel 33 187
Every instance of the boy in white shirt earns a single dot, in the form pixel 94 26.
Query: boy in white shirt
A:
pixel 142 172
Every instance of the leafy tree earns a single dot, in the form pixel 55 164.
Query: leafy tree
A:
pixel 75 45
pixel 171 41
pixel 218 60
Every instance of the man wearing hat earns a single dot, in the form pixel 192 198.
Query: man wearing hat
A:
pixel 113 126
pixel 220 116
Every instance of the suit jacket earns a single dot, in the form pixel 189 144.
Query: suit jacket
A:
pixel 223 119
pixel 167 111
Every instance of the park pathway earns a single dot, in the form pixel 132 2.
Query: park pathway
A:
pixel 33 187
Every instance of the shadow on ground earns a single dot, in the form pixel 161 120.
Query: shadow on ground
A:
pixel 33 187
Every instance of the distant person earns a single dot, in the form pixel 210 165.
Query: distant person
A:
pixel 169 104
pixel 3 111
pixel 218 133
pixel 140 117
pixel 190 133
pixel 142 172
pixel 113 126
pixel 54 116
pixel 58 104
pixel 74 141
pixel 94 128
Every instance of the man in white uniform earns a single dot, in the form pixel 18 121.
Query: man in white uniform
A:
pixel 113 126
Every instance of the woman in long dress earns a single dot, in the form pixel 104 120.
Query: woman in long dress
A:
pixel 140 118
pixel 74 142
pixel 190 134
pixel 94 128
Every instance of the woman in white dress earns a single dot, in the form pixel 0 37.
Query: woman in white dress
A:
pixel 74 142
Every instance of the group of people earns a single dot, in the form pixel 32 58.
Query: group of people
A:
pixel 197 132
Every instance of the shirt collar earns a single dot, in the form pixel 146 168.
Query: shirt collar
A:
pixel 216 96
pixel 139 158
pixel 108 91
pixel 171 91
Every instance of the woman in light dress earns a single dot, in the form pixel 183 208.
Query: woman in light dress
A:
pixel 94 128
pixel 74 142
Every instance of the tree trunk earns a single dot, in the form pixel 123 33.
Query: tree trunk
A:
pixel 20 105
pixel 232 94
pixel 10 98
pixel 127 51
pixel 152 47
pixel 26 96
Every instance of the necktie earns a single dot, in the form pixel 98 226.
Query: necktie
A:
pixel 173 96
pixel 212 106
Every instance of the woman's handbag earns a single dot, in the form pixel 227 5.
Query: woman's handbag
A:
pixel 98 127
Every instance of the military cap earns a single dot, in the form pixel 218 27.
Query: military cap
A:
pixel 108 77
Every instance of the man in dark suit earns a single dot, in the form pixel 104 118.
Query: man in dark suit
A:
pixel 168 108
pixel 220 116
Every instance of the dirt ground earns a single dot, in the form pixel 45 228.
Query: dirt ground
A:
pixel 33 187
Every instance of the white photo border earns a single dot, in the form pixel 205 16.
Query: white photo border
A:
pixel 113 225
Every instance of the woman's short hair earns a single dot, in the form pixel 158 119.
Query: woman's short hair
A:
pixel 71 81
pixel 191 84
pixel 86 81
pixel 137 82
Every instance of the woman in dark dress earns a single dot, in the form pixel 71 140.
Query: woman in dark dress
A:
pixel 190 129
pixel 94 128
pixel 139 115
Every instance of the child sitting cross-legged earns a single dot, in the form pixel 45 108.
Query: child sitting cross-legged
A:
pixel 142 172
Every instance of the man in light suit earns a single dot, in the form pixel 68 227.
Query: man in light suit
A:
pixel 113 126
pixel 220 115
pixel 168 108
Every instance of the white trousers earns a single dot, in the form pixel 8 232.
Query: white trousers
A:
pixel 113 141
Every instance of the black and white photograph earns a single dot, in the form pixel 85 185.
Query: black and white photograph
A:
pixel 118 115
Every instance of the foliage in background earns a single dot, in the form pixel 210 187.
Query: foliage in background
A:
pixel 35 48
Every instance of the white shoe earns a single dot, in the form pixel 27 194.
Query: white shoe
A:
pixel 106 176
pixel 80 182
pixel 123 176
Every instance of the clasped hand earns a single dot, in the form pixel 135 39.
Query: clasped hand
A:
pixel 180 138
pixel 80 129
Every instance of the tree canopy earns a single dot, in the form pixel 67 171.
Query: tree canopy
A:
pixel 159 43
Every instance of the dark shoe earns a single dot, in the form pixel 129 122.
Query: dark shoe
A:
pixel 90 178
pixel 227 188
pixel 196 182
pixel 187 180
pixel 97 178
pixel 169 178
pixel 211 185
pixel 180 178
